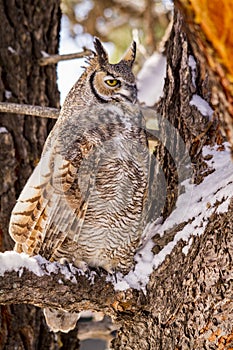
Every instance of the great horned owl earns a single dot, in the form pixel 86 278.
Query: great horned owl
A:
pixel 84 202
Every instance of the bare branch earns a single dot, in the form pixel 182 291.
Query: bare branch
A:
pixel 53 59
pixel 44 112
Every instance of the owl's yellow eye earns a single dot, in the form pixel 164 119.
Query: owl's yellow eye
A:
pixel 112 82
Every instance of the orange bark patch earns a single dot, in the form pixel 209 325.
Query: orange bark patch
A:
pixel 215 17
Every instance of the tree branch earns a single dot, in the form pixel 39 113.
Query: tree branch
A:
pixel 34 280
pixel 44 112
pixel 53 59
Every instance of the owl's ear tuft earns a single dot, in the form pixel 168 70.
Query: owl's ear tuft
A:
pixel 130 54
pixel 101 53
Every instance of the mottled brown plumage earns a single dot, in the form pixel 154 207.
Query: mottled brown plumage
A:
pixel 85 201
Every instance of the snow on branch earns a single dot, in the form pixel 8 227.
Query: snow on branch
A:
pixel 34 280
pixel 51 281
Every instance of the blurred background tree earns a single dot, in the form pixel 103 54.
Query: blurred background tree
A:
pixel 119 21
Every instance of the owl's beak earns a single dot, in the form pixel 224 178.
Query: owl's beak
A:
pixel 132 94
pixel 129 93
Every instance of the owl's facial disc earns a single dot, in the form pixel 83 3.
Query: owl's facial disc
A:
pixel 107 87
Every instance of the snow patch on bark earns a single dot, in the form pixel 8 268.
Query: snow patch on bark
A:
pixel 195 207
pixel 202 106
pixel 193 65
pixel 3 130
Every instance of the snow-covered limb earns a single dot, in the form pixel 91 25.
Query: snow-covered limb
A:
pixel 34 280
pixel 190 217
pixel 13 261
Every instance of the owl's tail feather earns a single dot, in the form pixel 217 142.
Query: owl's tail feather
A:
pixel 60 320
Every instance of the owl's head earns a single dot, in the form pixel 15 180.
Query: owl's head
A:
pixel 112 82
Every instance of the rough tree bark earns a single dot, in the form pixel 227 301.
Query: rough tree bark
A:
pixel 189 297
pixel 210 33
pixel 188 303
pixel 26 28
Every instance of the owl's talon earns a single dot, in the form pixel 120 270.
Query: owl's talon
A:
pixel 114 274
pixel 100 271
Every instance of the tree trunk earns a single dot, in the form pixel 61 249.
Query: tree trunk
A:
pixel 210 33
pixel 189 296
pixel 27 28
